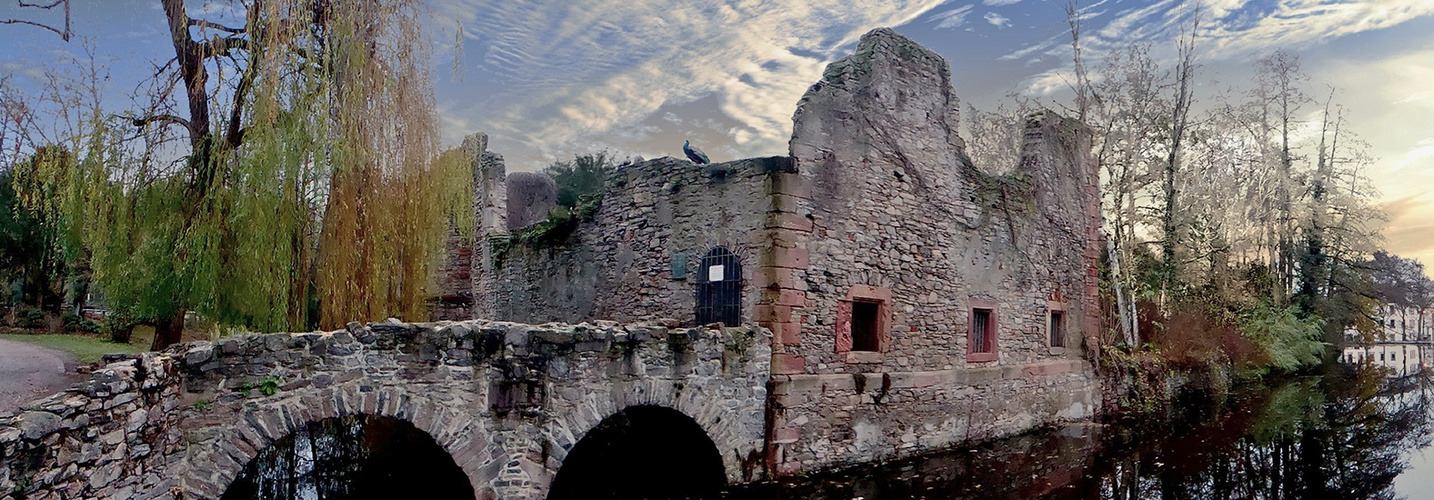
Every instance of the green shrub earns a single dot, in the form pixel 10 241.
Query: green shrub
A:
pixel 584 177
pixel 1291 342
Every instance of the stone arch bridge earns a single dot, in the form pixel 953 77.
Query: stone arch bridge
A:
pixel 505 400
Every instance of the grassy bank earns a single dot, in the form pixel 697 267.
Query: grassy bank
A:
pixel 86 348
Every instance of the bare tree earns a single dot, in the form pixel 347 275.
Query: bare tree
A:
pixel 1278 91
pixel 64 6
pixel 1179 122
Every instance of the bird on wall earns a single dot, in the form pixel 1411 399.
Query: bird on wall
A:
pixel 694 154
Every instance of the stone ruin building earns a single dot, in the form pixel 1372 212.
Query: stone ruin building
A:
pixel 914 300
pixel 870 296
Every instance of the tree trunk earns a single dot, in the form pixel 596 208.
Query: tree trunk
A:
pixel 168 332
pixel 1126 321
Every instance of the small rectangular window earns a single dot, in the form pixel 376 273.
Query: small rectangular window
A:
pixel 1058 330
pixel 983 338
pixel 864 333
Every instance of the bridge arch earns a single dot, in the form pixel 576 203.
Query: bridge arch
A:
pixel 356 457
pixel 505 401
pixel 672 452
pixel 251 428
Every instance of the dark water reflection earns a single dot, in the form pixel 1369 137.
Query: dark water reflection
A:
pixel 358 457
pixel 1347 434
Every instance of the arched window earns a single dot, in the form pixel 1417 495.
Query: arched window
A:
pixel 719 288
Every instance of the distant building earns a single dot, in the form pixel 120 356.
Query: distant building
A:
pixel 1402 343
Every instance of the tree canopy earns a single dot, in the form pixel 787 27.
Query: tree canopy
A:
pixel 283 175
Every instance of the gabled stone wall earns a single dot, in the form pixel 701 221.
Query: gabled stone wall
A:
pixel 900 217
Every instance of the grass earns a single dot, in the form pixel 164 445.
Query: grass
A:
pixel 86 348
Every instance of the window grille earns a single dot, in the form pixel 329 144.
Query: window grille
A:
pixel 981 331
pixel 719 288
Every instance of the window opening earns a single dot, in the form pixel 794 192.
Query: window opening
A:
pixel 1058 330
pixel 719 288
pixel 864 334
pixel 983 339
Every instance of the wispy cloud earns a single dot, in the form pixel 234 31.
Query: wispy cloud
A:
pixel 998 3
pixel 953 18
pixel 562 70
pixel 997 20
pixel 1297 23
pixel 1232 29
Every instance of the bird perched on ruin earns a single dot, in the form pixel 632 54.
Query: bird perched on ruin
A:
pixel 694 154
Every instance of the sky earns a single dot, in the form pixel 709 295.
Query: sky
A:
pixel 547 79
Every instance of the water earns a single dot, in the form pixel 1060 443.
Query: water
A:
pixel 1347 434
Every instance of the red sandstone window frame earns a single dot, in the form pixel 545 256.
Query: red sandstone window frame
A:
pixel 991 333
pixel 880 296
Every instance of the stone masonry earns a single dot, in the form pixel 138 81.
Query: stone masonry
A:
pixel 867 253
pixel 506 400
pixel 618 263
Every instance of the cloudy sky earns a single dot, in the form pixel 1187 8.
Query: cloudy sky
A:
pixel 550 78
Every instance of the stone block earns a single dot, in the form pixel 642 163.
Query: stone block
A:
pixel 34 425
pixel 787 363
pixel 791 221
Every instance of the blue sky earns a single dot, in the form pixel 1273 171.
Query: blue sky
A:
pixel 550 78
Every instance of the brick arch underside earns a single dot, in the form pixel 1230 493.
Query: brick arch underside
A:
pixel 516 462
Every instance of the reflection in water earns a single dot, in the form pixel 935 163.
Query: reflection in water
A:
pixel 353 457
pixel 1344 435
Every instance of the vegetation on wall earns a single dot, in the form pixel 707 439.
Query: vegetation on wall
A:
pixel 583 176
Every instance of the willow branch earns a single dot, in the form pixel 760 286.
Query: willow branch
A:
pixel 216 46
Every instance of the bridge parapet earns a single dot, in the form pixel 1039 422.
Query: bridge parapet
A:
pixel 506 400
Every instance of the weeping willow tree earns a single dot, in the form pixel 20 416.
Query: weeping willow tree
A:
pixel 297 185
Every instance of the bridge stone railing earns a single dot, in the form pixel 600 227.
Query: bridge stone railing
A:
pixel 506 400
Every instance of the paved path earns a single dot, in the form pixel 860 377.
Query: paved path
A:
pixel 28 372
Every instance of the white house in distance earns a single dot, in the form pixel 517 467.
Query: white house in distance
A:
pixel 1400 347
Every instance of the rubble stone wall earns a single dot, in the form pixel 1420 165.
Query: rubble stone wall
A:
pixel 506 400
pixel 617 261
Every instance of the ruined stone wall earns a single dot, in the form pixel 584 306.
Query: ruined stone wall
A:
pixel 453 298
pixel 900 217
pixel 616 262
pixel 464 250
pixel 506 400
pixel 531 196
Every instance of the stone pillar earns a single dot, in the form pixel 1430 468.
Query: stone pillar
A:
pixel 490 214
